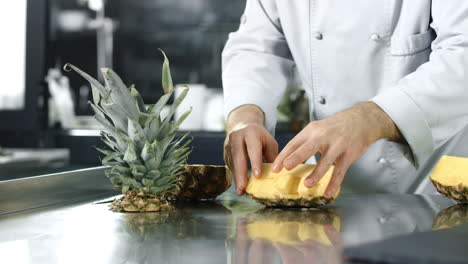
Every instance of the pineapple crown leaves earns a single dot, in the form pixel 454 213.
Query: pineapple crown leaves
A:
pixel 144 154
pixel 167 84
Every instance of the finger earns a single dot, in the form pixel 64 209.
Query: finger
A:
pixel 257 253
pixel 241 229
pixel 241 243
pixel 289 255
pixel 239 161
pixel 341 167
pixel 227 152
pixel 227 157
pixel 270 150
pixel 310 249
pixel 322 167
pixel 300 155
pixel 333 235
pixel 254 150
pixel 294 144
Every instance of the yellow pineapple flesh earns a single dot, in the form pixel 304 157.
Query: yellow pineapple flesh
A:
pixel 286 188
pixel 450 177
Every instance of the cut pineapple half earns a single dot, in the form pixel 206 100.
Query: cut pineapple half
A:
pixel 450 177
pixel 286 188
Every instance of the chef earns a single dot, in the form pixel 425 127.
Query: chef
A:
pixel 386 81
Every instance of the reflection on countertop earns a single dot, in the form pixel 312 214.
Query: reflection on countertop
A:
pixel 20 163
pixel 231 229
pixel 453 216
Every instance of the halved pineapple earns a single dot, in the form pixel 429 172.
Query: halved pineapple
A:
pixel 146 157
pixel 450 177
pixel 286 188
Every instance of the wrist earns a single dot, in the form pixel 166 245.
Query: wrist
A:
pixel 244 115
pixel 382 125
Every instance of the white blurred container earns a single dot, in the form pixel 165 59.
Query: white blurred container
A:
pixel 214 111
pixel 196 99
pixel 62 106
pixel 13 55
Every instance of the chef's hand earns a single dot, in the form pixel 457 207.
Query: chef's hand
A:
pixel 247 140
pixel 341 139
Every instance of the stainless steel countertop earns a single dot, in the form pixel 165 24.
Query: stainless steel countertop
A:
pixel 31 162
pixel 203 232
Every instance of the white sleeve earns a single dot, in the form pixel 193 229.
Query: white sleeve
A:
pixel 430 105
pixel 257 62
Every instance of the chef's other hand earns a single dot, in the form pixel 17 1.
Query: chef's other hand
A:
pixel 341 139
pixel 247 140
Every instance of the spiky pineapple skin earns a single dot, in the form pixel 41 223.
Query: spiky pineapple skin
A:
pixel 140 202
pixel 204 182
pixel 457 193
pixel 299 202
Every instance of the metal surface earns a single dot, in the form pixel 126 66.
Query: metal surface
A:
pixel 205 232
pixel 47 190
pixel 20 163
pixel 446 246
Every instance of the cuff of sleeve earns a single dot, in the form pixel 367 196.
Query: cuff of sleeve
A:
pixel 252 96
pixel 410 120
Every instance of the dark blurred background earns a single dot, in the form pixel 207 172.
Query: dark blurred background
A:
pixel 192 33
pixel 47 125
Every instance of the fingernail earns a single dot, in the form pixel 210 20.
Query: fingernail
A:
pixel 256 172
pixel 309 182
pixel 275 167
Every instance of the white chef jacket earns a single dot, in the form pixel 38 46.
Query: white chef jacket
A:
pixel 407 56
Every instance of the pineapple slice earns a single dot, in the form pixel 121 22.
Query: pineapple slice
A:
pixel 286 188
pixel 450 177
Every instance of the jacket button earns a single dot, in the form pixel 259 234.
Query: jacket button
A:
pixel 322 100
pixel 382 161
pixel 375 37
pixel 318 35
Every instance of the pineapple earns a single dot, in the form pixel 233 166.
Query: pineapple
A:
pixel 453 216
pixel 147 162
pixel 287 189
pixel 450 177
pixel 292 227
